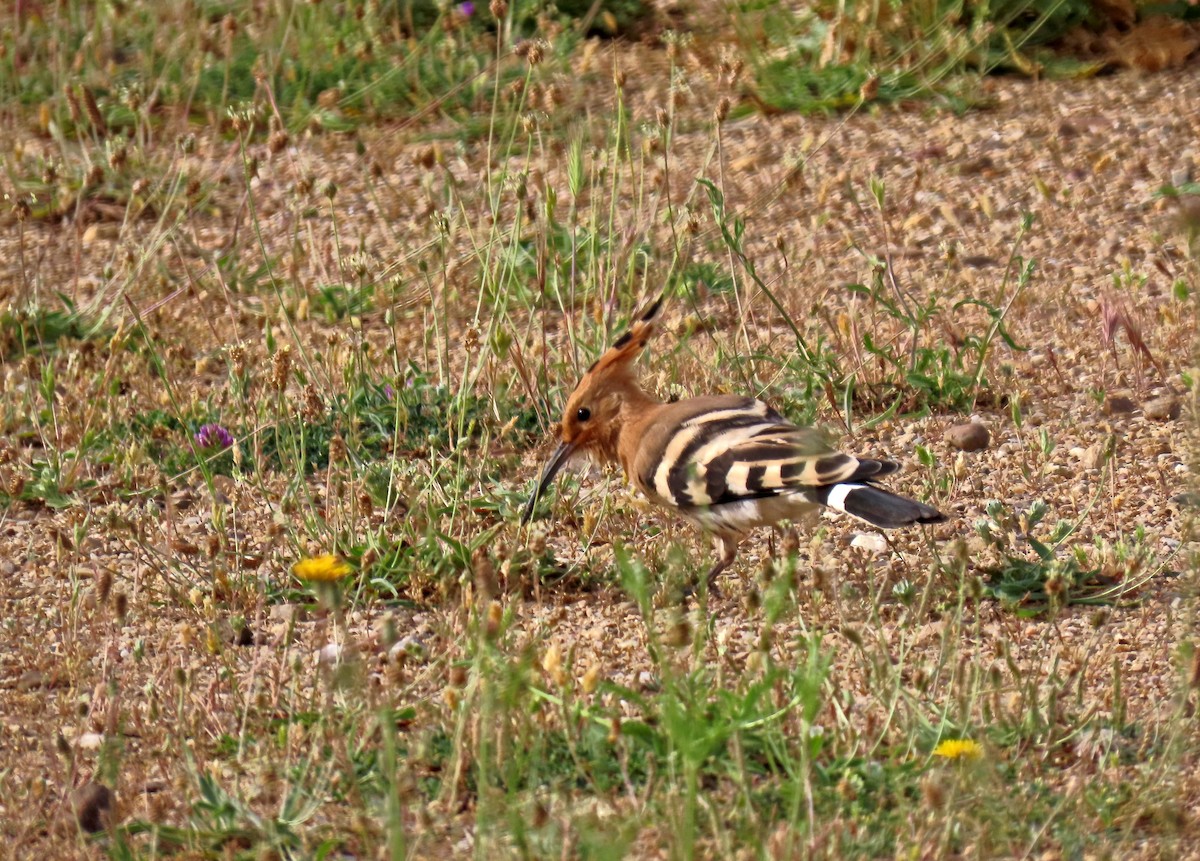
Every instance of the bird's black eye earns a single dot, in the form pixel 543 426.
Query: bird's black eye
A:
pixel 583 414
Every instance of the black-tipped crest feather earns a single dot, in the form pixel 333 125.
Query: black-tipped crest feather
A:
pixel 649 313
pixel 631 342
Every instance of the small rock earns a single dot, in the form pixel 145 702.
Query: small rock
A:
pixel 872 542
pixel 90 741
pixel 236 631
pixel 1118 405
pixel 31 679
pixel 970 436
pixel 1161 409
pixel 282 633
pixel 329 654
pixel 287 613
pixel 91 806
pixel 409 648
pixel 1094 456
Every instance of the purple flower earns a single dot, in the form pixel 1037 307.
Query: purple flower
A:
pixel 466 9
pixel 213 436
pixel 388 392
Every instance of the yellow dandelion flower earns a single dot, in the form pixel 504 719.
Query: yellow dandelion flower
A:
pixel 321 569
pixel 959 748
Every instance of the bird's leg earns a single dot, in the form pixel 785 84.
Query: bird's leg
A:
pixel 727 546
pixel 789 543
pixel 789 549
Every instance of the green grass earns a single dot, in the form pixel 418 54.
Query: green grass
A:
pixel 831 57
pixel 308 65
pixel 36 329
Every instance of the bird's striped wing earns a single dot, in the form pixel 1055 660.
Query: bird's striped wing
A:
pixel 744 450
pixel 778 463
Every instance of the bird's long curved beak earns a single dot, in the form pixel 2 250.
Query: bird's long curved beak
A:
pixel 558 460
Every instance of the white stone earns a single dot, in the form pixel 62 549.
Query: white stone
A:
pixel 871 542
pixel 90 741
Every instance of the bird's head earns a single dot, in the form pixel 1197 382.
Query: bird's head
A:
pixel 592 419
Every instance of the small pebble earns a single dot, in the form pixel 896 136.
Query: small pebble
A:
pixel 1161 409
pixel 286 613
pixel 90 741
pixel 30 680
pixel 410 648
pixel 872 542
pixel 969 436
pixel 1093 456
pixel 90 807
pixel 329 654
pixel 1118 405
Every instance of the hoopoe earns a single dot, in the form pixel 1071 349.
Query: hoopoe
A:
pixel 726 463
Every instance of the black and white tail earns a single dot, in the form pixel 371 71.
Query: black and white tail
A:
pixel 876 506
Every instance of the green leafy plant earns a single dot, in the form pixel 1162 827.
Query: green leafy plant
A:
pixel 839 56
pixel 1054 576
pixel 38 329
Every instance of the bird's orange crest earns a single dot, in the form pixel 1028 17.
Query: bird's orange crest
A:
pixel 591 421
pixel 619 357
